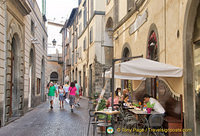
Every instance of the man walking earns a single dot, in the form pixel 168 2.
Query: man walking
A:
pixel 51 94
pixel 77 93
pixel 66 89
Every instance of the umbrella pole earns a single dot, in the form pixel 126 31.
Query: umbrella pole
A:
pixel 113 83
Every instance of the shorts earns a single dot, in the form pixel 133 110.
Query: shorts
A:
pixel 71 100
pixel 61 98
pixel 51 98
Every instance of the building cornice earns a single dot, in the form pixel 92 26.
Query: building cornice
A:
pixel 22 6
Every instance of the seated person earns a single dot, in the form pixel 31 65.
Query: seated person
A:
pixel 157 107
pixel 116 100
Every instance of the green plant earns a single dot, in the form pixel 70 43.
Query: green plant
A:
pixel 102 105
pixel 149 105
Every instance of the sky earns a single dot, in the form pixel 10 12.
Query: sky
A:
pixel 59 9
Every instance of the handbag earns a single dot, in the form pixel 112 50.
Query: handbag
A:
pixel 67 100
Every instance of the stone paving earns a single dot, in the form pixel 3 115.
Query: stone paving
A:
pixel 45 122
pixel 57 122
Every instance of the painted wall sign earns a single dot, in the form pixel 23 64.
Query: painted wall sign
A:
pixel 140 20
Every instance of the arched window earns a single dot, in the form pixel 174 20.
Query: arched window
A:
pixel 152 47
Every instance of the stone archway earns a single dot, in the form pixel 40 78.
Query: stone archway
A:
pixel 31 93
pixel 15 71
pixel 109 32
pixel 190 17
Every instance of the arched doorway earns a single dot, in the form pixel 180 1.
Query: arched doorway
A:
pixel 31 93
pixel 125 54
pixel 152 53
pixel 196 47
pixel 42 79
pixel 15 75
pixel 54 77
pixel 191 32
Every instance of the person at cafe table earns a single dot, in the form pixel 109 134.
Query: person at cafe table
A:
pixel 116 99
pixel 157 107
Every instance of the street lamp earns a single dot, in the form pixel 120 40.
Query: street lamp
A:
pixel 54 42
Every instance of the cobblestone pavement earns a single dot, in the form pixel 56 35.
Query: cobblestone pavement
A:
pixel 45 122
pixel 57 122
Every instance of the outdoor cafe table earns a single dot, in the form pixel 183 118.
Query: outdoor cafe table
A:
pixel 141 112
pixel 141 116
pixel 108 112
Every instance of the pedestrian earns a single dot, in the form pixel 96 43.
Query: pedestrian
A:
pixel 61 93
pixel 47 90
pixel 77 93
pixel 51 94
pixel 66 89
pixel 72 93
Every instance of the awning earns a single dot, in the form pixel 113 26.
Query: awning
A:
pixel 108 74
pixel 142 67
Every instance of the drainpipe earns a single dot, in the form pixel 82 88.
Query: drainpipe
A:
pixel 5 61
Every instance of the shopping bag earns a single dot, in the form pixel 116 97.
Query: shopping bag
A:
pixel 67 100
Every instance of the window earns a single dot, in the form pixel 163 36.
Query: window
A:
pixel 92 8
pixel 75 42
pixel 80 14
pixel 79 2
pixel 76 55
pixel 70 36
pixel 32 28
pixel 130 5
pixel 84 44
pixel 85 16
pixel 43 43
pixel 32 3
pixel 80 28
pixel 72 59
pixel 91 34
pixel 38 85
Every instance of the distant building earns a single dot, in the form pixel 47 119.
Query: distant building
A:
pixel 23 58
pixel 54 52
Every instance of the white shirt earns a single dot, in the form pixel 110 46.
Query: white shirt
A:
pixel 66 88
pixel 157 107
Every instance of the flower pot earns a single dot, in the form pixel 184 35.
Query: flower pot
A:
pixel 149 110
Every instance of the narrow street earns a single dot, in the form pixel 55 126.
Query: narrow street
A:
pixel 45 122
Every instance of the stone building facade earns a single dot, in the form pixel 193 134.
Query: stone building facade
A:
pixel 89 44
pixel 172 29
pixel 23 53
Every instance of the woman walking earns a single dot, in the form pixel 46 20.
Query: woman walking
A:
pixel 61 96
pixel 72 93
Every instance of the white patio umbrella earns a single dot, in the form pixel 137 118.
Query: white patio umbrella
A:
pixel 108 74
pixel 142 67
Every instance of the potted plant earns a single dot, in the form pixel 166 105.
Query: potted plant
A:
pixel 150 107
